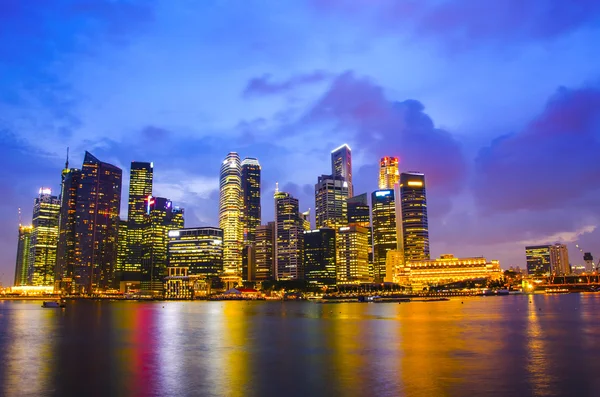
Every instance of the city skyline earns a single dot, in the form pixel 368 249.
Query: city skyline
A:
pixel 447 99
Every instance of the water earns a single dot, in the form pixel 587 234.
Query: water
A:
pixel 497 346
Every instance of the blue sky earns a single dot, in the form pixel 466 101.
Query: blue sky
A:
pixel 497 102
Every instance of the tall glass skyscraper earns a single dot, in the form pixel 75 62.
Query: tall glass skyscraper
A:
pixel 352 255
pixel 44 238
pixel 251 215
pixel 141 178
pixel 230 215
pixel 341 165
pixel 331 197
pixel 320 257
pixel 96 230
pixel 384 230
pixel 22 265
pixel 411 208
pixel 289 233
pixel 388 173
pixel 265 248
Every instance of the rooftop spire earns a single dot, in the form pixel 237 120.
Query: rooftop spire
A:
pixel 67 162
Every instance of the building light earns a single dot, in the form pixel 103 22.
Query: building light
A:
pixel 343 229
pixel 415 183
pixel 173 233
pixel 383 193
pixel 45 190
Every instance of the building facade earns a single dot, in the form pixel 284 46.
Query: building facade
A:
pixel 289 233
pixel 98 206
pixel 44 238
pixel 559 259
pixel 331 197
pixel 22 268
pixel 353 255
pixel 141 179
pixel 384 230
pixel 199 250
pixel 251 213
pixel 341 166
pixel 547 259
pixel 230 215
pixel 264 256
pixel 320 257
pixel 411 209
pixel 389 174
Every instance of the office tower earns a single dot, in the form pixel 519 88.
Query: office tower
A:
pixel 538 259
pixel 411 210
pixel 559 259
pixel 265 245
pixel 341 166
pixel 44 238
pixel 160 219
pixel 305 217
pixel 22 265
pixel 98 205
pixel 65 252
pixel 198 249
pixel 352 255
pixel 330 202
pixel 122 252
pixel 288 237
pixel 230 213
pixel 251 213
pixel 141 178
pixel 320 257
pixel 384 229
pixel 388 173
pixel 589 262
pixel 249 263
pixel 359 213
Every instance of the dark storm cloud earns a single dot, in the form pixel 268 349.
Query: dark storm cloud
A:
pixel 265 86
pixel 552 163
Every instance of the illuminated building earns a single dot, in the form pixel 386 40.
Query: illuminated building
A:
pixel 230 214
pixel 264 243
pixel 44 238
pixel 249 263
pixel 353 255
pixel 178 284
pixel 289 232
pixel 197 249
pixel 320 257
pixel 589 262
pixel 394 265
pixel 547 259
pixel 389 175
pixel 446 270
pixel 251 196
pixel 330 202
pixel 341 166
pixel 98 205
pixel 411 209
pixel 141 176
pixel 384 229
pixel 22 265
pixel 305 217
pixel 359 213
pixel 122 252
pixel 161 219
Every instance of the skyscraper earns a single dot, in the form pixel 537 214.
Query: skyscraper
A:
pixel 230 213
pixel 288 238
pixel 98 205
pixel 352 255
pixel 341 165
pixel 160 220
pixel 141 178
pixel 251 214
pixel 122 252
pixel 22 265
pixel 559 259
pixel 388 172
pixel 411 209
pixel 265 246
pixel 320 257
pixel 359 213
pixel 548 259
pixel 331 197
pixel 199 249
pixel 44 238
pixel 384 230
pixel 305 217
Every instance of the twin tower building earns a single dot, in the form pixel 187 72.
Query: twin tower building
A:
pixel 353 240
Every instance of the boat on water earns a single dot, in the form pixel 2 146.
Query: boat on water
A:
pixel 54 304
pixel 557 291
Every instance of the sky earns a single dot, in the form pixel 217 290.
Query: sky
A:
pixel 498 103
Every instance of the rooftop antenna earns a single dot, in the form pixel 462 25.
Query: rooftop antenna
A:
pixel 20 223
pixel 67 162
pixel 276 187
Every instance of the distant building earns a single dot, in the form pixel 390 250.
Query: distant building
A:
pixel 384 229
pixel 446 270
pixel 331 195
pixel 44 238
pixel 249 263
pixel 341 166
pixel 231 205
pixel 353 255
pixel 389 175
pixel 22 265
pixel 359 213
pixel 320 257
pixel 411 210
pixel 264 256
pixel 589 262
pixel 559 259
pixel 305 218
pixel 289 233
pixel 547 259
pixel 178 284
pixel 122 254
pixel 197 249
pixel 251 213
pixel 394 266
pixel 141 179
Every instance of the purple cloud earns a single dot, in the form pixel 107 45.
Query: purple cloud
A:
pixel 550 163
pixel 265 86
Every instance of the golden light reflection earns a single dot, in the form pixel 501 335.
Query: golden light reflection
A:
pixel 536 348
